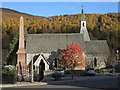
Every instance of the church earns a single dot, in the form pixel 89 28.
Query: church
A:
pixel 46 47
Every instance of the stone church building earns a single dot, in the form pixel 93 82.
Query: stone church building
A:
pixel 45 47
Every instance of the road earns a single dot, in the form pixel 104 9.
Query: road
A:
pixel 92 83
pixel 101 83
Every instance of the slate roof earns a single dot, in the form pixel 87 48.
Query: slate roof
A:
pixel 97 47
pixel 37 43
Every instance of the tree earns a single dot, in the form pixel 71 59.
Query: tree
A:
pixel 72 57
pixel 14 47
pixel 112 59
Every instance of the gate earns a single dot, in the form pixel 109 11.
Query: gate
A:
pixel 24 73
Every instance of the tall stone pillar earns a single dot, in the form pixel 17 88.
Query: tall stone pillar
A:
pixel 21 53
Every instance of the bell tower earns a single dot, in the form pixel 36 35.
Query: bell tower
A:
pixel 83 29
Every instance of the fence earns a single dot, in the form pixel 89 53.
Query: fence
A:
pixel 100 71
pixel 74 72
pixel 105 71
pixel 24 73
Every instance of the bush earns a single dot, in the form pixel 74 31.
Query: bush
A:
pixel 9 74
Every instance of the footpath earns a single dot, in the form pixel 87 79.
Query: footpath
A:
pixel 66 79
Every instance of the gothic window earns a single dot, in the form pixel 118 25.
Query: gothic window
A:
pixel 83 24
pixel 95 62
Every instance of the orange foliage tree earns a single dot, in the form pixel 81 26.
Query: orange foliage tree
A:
pixel 72 57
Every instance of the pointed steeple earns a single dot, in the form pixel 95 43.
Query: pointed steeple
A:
pixel 83 16
pixel 82 11
pixel 83 29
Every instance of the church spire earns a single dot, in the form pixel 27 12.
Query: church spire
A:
pixel 83 29
pixel 83 16
pixel 82 11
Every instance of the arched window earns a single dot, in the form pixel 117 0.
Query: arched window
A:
pixel 83 24
pixel 95 62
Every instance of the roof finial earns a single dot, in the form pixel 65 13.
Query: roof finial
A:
pixel 82 6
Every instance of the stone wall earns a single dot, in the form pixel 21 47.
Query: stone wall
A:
pixel 101 60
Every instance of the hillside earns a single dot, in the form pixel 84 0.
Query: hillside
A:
pixel 100 26
pixel 14 14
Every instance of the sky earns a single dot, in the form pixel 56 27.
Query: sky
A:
pixel 61 8
pixel 60 0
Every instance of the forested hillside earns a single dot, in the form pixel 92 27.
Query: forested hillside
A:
pixel 100 26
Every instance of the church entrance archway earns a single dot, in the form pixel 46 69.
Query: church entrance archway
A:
pixel 41 70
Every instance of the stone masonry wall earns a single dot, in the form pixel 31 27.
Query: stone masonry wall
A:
pixel 100 60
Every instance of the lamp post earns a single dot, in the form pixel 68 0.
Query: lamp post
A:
pixel 117 55
pixel 32 71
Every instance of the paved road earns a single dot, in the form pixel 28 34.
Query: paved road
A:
pixel 49 79
pixel 97 83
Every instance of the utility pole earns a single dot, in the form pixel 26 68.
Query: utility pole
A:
pixel 32 72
